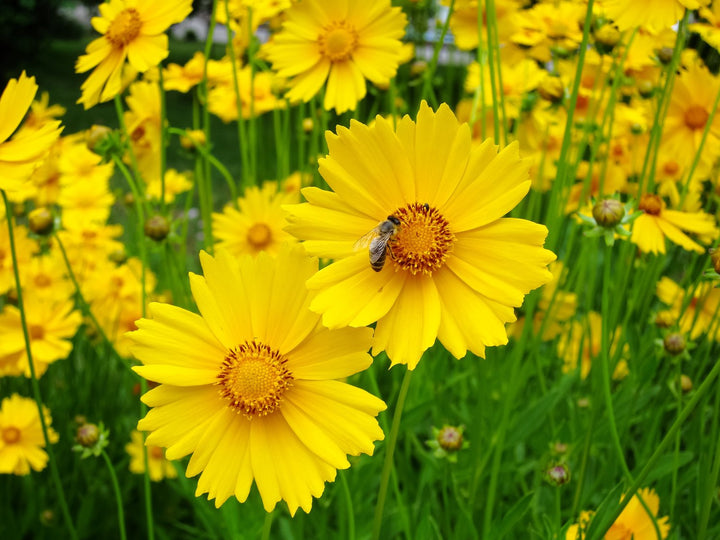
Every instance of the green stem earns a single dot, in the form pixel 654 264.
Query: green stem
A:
pixel 427 90
pixel 603 526
pixel 118 495
pixel 163 137
pixel 389 452
pixel 33 377
pixel 267 526
pixel 350 511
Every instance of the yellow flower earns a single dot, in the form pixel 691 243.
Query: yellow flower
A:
pixel 455 268
pixel 464 21
pixel 549 25
pixel 51 326
pixel 328 40
pixel 21 436
pixel 699 313
pixel 633 523
pixel 258 223
pixel 657 222
pixel 132 30
pixel 175 183
pixel 691 104
pixel 45 276
pixel 24 249
pixel 655 15
pixel 256 96
pixel 158 466
pixel 20 155
pixel 251 386
pixel 582 342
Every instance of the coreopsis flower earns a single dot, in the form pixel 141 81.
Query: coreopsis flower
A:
pixel 658 222
pixel 548 26
pixel 454 266
pixel 329 41
pixel 183 78
pixel 464 21
pixel 582 342
pixel 709 29
pixel 256 96
pixel 691 104
pixel 634 521
pixel 158 466
pixel 20 154
pixel 25 247
pixel 653 15
pixel 51 326
pixel 256 224
pixel 142 120
pixel 251 387
pixel 21 436
pixel 133 30
pixel 46 276
pixel 175 184
pixel 88 244
pixel 696 315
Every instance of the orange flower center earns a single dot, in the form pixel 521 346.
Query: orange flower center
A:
pixel 124 28
pixel 253 378
pixel 423 241
pixel 42 280
pixel 671 168
pixel 338 41
pixel 10 435
pixel 696 117
pixel 155 452
pixel 619 532
pixel 259 236
pixel 650 204
pixel 36 331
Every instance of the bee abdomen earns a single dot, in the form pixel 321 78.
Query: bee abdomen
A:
pixel 378 264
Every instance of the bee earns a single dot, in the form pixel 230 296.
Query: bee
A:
pixel 377 241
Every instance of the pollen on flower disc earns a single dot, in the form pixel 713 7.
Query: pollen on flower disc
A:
pixel 338 41
pixel 696 117
pixel 10 435
pixel 253 378
pixel 259 236
pixel 124 28
pixel 424 239
pixel 650 204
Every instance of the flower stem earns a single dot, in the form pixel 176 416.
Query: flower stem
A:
pixel 118 496
pixel 389 452
pixel 33 378
pixel 350 509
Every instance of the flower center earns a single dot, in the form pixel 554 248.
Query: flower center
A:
pixel 124 28
pixel 671 168
pixel 619 532
pixel 338 41
pixel 423 241
pixel 155 452
pixel 36 331
pixel 253 378
pixel 650 204
pixel 10 435
pixel 259 236
pixel 695 117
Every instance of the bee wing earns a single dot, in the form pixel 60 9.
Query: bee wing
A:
pixel 377 248
pixel 366 239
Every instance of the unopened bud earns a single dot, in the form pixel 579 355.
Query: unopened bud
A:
pixel 552 89
pixel 686 383
pixel 606 37
pixel 665 54
pixel 41 221
pixel 646 88
pixel 157 227
pixel 307 125
pixel 418 68
pixel 96 135
pixel 87 435
pixel 192 139
pixel 557 474
pixel 608 213
pixel 674 343
pixel 715 259
pixel 450 438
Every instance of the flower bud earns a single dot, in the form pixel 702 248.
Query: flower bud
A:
pixel 715 259
pixel 41 221
pixel 557 474
pixel 450 438
pixel 95 136
pixel 418 67
pixel 157 227
pixel 552 89
pixel 674 343
pixel 606 37
pixel 608 213
pixel 307 125
pixel 87 435
pixel 686 383
pixel 665 55
pixel 646 88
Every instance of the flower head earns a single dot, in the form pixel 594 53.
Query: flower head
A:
pixel 21 436
pixel 251 386
pixel 455 268
pixel 132 30
pixel 19 155
pixel 329 40
pixel 158 465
